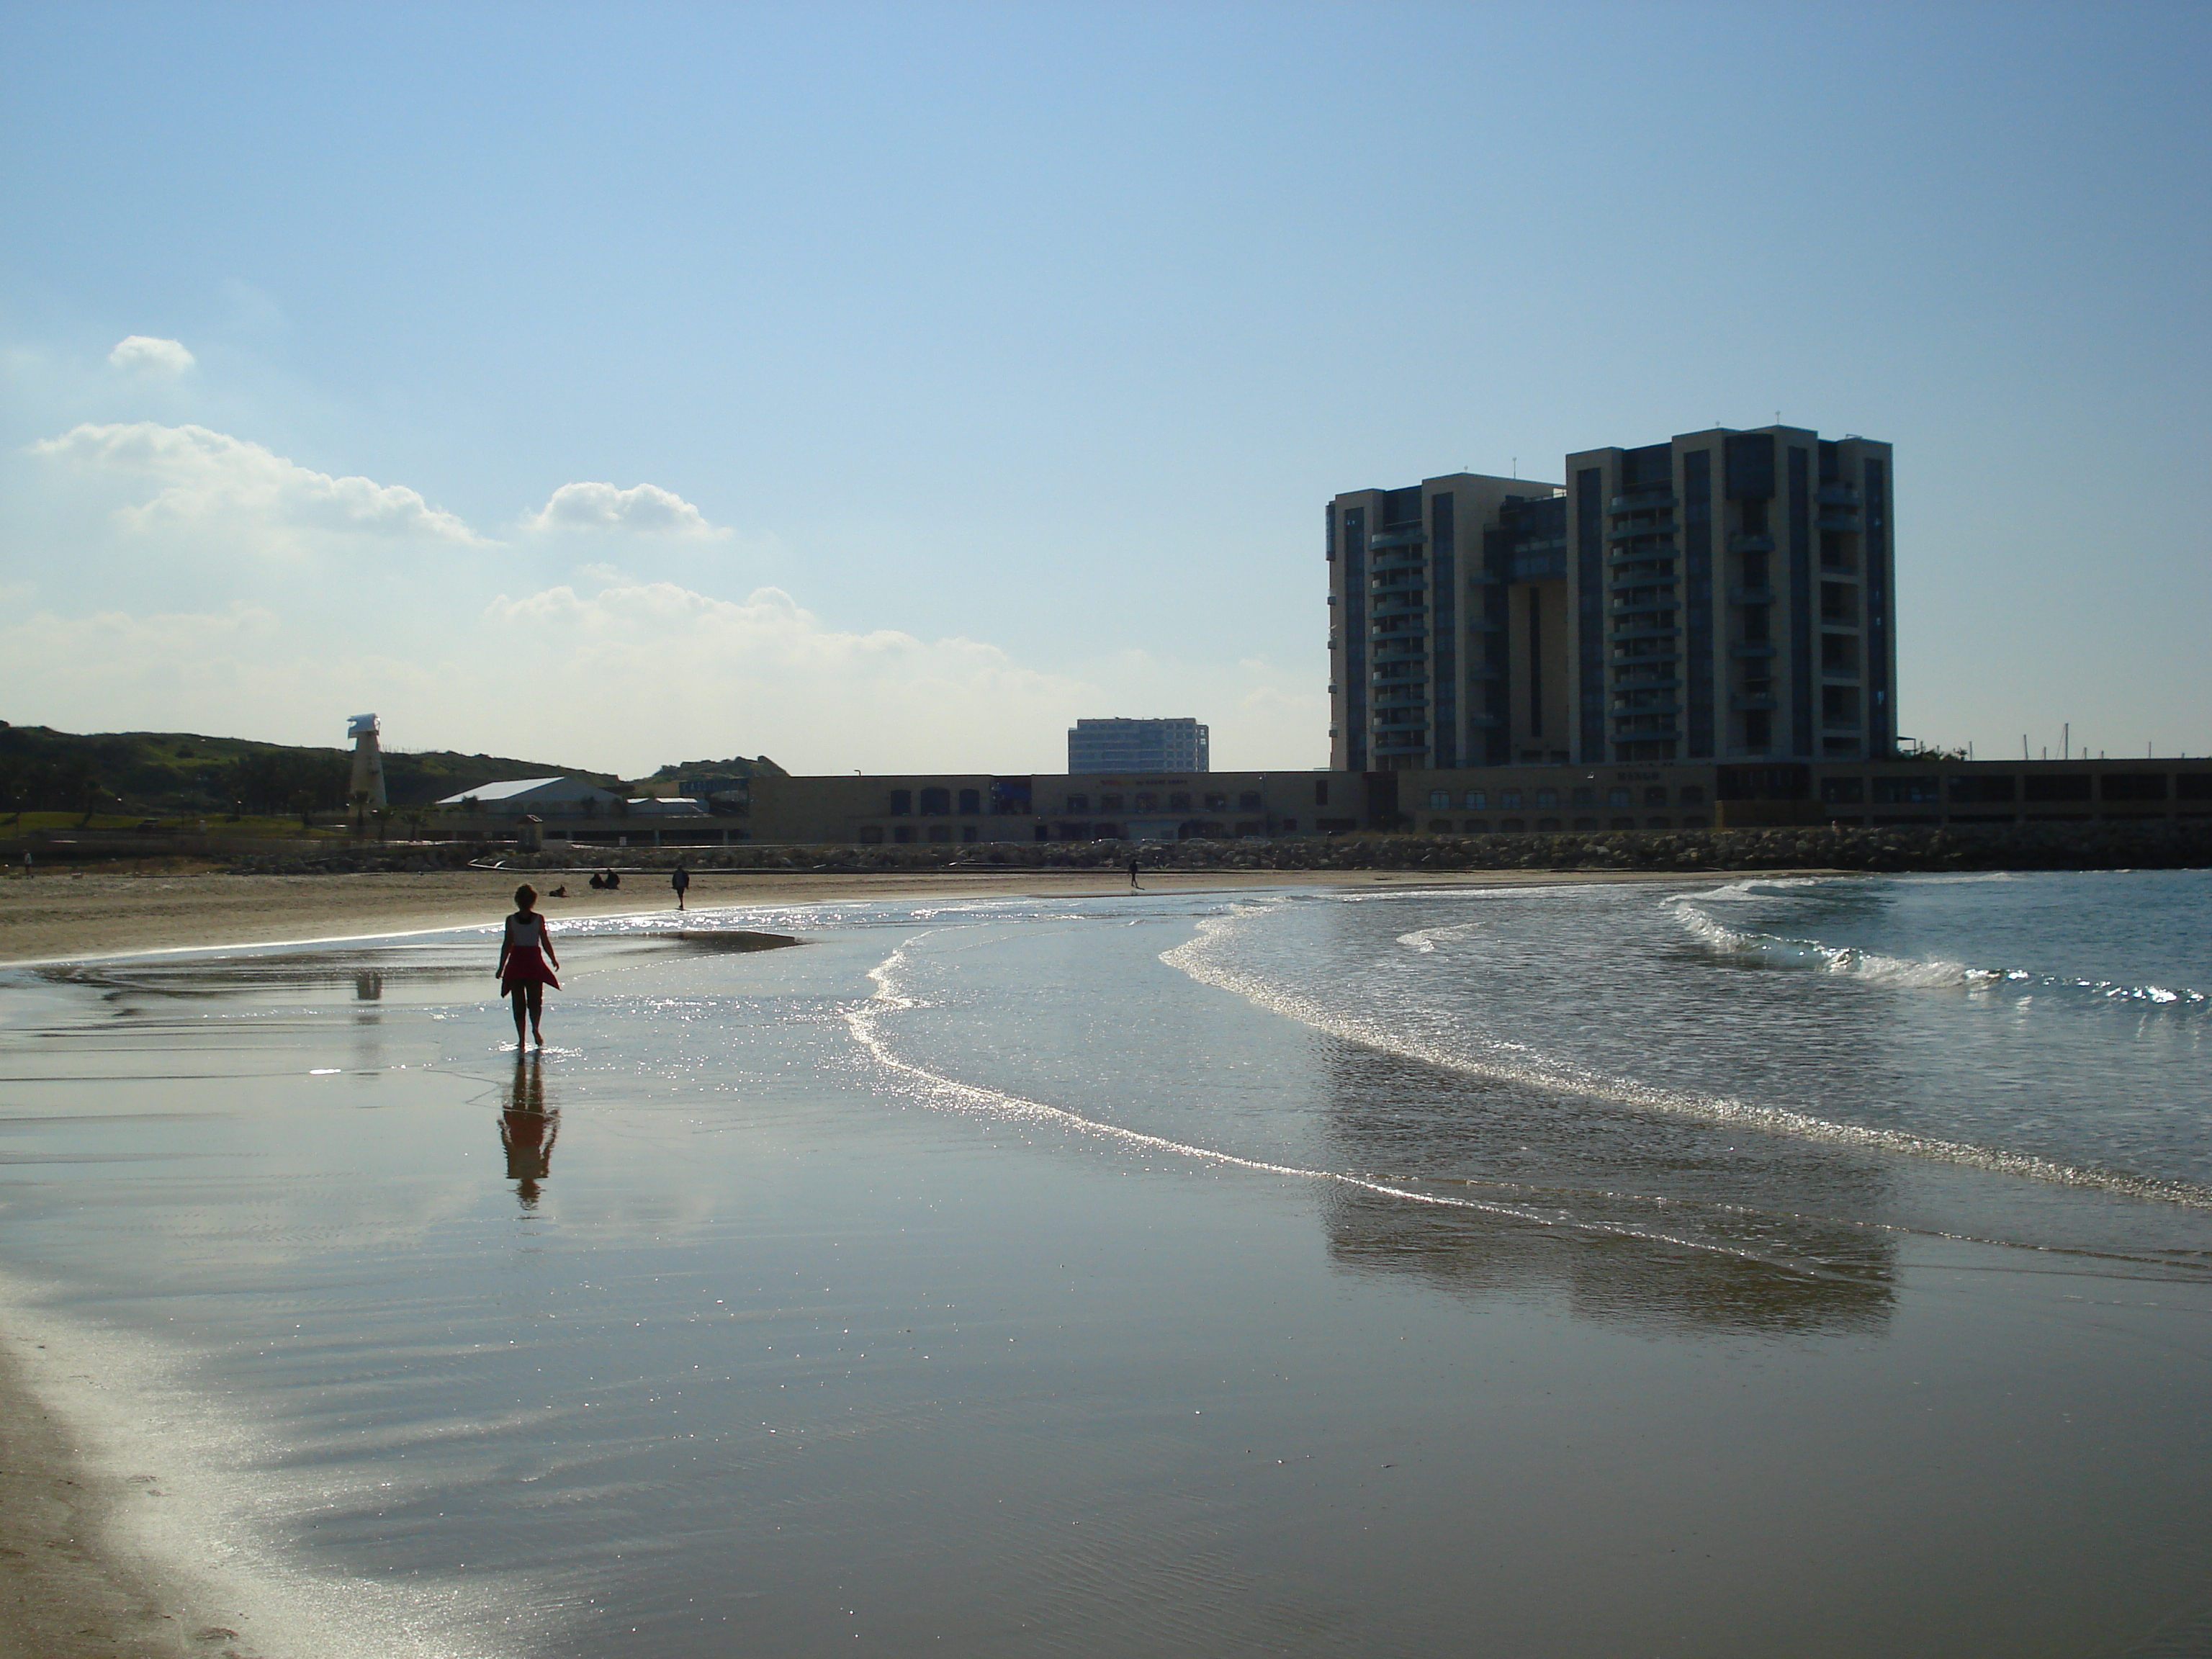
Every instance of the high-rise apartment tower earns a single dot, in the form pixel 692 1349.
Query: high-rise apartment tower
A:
pixel 1723 596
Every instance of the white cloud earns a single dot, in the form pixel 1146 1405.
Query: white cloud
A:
pixel 199 477
pixel 145 354
pixel 645 508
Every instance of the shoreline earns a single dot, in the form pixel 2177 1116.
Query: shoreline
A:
pixel 53 921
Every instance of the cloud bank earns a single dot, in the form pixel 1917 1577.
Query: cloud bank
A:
pixel 199 476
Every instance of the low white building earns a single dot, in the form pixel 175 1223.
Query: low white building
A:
pixel 546 798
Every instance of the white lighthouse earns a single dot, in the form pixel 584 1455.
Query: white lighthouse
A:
pixel 368 762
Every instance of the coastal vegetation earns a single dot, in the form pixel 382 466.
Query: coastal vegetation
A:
pixel 128 776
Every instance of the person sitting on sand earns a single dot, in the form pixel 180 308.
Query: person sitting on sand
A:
pixel 609 879
pixel 562 891
pixel 526 961
pixel 599 881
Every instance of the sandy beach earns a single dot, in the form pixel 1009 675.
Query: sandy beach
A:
pixel 65 918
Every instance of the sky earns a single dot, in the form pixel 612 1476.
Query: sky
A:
pixel 884 386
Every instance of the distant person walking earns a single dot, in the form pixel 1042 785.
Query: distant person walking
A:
pixel 1133 874
pixel 526 961
pixel 681 881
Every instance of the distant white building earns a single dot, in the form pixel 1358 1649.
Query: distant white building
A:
pixel 1128 745
pixel 548 798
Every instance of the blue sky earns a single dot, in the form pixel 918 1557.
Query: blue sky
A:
pixel 887 385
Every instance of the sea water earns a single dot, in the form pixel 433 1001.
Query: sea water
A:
pixel 1176 1274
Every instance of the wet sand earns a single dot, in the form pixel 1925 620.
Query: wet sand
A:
pixel 62 918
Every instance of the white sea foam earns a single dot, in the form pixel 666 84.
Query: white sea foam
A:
pixel 1209 957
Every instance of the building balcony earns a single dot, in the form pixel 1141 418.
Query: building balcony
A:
pixel 1621 555
pixel 1666 682
pixel 1399 742
pixel 1666 632
pixel 1537 568
pixel 1645 607
pixel 1624 733
pixel 1648 579
pixel 1840 619
pixel 1644 659
pixel 1753 543
pixel 1836 517
pixel 1655 710
pixel 1397 648
pixel 1752 648
pixel 1398 558
pixel 1481 675
pixel 1623 533
pixel 1838 495
pixel 1641 499
pixel 1751 700
pixel 1398 604
pixel 1397 535
pixel 1750 595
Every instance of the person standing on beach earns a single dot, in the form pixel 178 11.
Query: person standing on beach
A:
pixel 681 881
pixel 526 961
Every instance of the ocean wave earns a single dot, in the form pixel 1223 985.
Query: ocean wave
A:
pixel 1209 958
pixel 893 996
pixel 1921 973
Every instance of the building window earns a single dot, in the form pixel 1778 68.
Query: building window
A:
pixel 1321 793
pixel 1249 801
pixel 1693 795
pixel 1215 802
pixel 903 832
pixel 1547 797
pixel 940 832
pixel 1076 803
pixel 1619 797
pixel 1478 826
pixel 1584 797
pixel 1148 803
pixel 1179 802
pixel 902 802
pixel 871 834
pixel 1110 803
pixel 936 802
pixel 1478 800
pixel 1655 796
pixel 1509 798
pixel 971 802
pixel 1290 826
pixel 1439 798
pixel 1843 792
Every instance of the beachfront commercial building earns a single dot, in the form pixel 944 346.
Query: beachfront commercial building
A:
pixel 1724 597
pixel 983 808
pixel 1130 745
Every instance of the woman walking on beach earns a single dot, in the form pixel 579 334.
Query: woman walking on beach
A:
pixel 526 961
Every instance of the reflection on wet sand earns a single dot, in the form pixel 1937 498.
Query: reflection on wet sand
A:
pixel 527 1129
pixel 1743 1240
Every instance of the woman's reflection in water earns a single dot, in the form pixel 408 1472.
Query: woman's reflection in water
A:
pixel 527 1129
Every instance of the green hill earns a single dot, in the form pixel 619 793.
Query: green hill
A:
pixel 737 767
pixel 182 772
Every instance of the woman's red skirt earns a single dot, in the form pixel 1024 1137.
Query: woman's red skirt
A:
pixel 526 965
